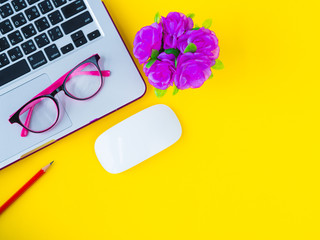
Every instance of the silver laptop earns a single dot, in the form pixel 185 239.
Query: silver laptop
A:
pixel 40 41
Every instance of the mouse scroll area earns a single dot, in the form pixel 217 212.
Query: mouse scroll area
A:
pixel 138 138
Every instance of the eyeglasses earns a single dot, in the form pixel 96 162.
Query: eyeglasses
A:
pixel 42 112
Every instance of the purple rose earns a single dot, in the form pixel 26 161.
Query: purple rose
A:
pixel 160 73
pixel 193 70
pixel 147 39
pixel 216 53
pixel 174 25
pixel 205 40
pixel 164 56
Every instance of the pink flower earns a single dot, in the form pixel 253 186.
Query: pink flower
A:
pixel 162 46
pixel 205 40
pixel 147 39
pixel 193 70
pixel 160 74
pixel 174 25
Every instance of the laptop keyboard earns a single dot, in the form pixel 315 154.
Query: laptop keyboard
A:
pixel 29 30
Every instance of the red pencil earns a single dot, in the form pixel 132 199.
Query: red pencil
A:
pixel 24 188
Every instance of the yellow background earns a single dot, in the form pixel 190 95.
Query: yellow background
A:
pixel 246 167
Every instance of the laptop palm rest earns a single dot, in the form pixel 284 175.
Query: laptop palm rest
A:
pixel 11 141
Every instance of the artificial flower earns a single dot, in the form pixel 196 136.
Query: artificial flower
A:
pixel 147 39
pixel 204 39
pixel 160 73
pixel 174 25
pixel 193 70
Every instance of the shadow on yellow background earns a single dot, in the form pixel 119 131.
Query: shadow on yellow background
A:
pixel 246 167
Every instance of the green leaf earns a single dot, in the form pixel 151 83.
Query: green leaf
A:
pixel 175 90
pixel 219 65
pixel 211 76
pixel 173 51
pixel 207 23
pixel 176 62
pixel 190 15
pixel 191 48
pixel 154 53
pixel 157 17
pixel 196 27
pixel 159 93
pixel 151 61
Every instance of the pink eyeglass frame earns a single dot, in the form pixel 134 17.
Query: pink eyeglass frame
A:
pixel 55 88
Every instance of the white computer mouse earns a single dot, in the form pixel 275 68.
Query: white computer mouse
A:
pixel 137 138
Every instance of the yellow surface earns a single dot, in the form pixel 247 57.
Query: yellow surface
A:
pixel 246 167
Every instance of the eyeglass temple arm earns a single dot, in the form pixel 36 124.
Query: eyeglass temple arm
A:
pixel 54 86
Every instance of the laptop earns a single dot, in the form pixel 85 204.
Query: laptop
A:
pixel 40 41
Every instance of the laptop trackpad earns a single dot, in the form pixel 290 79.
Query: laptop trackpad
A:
pixel 11 142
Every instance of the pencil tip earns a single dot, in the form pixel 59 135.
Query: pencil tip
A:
pixel 45 168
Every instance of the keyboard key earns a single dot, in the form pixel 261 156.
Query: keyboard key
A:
pixel 52 52
pixel 28 47
pixel 73 8
pixel 55 33
pixel 15 54
pixel 32 13
pixel 42 40
pixel 32 1
pixel 80 42
pixel 15 37
pixel 37 60
pixel 55 17
pixel 78 39
pixel 6 10
pixel 93 35
pixel 14 71
pixel 19 20
pixel 58 3
pixel 29 31
pixel 4 44
pixel 77 35
pixel 19 4
pixel 45 6
pixel 76 22
pixel 42 24
pixel 5 26
pixel 3 62
pixel 67 48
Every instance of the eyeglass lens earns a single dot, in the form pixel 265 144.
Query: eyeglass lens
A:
pixel 40 114
pixel 84 82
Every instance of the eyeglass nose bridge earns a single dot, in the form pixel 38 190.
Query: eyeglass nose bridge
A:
pixel 55 92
